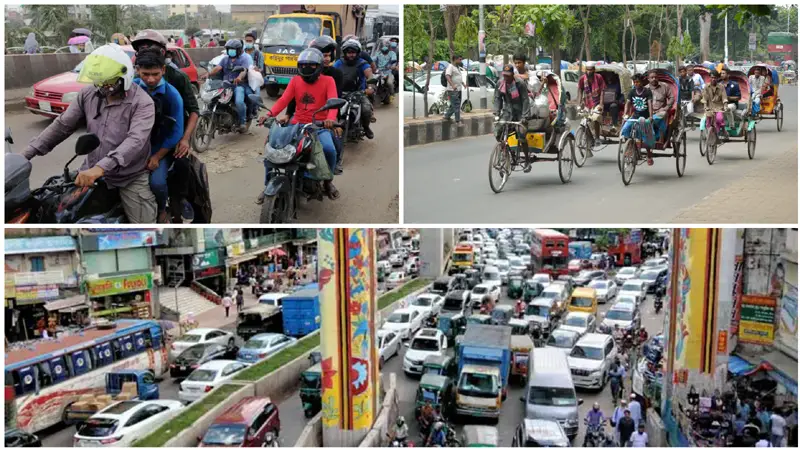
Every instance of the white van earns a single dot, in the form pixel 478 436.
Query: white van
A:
pixel 272 299
pixel 550 393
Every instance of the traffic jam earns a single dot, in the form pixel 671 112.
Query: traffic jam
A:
pixel 532 339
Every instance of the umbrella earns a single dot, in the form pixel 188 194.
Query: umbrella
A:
pixel 564 65
pixel 77 40
pixel 82 31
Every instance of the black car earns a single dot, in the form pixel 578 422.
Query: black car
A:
pixel 196 355
pixel 585 276
pixel 654 278
pixel 19 438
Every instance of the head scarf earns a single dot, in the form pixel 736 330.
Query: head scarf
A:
pixel 31 46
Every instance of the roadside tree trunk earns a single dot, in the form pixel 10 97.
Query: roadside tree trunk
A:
pixel 679 13
pixel 624 35
pixel 586 31
pixel 705 32
pixel 450 29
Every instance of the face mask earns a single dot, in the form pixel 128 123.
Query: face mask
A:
pixel 232 53
pixel 168 61
pixel 248 45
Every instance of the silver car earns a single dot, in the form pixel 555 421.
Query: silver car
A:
pixel 201 336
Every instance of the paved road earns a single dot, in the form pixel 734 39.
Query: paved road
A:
pixel 513 411
pixel 369 186
pixel 447 182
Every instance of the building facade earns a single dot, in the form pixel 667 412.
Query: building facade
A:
pixel 176 10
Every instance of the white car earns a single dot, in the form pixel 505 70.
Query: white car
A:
pixel 504 267
pixel 416 106
pixel 427 304
pixel 404 321
pixel 559 293
pixel 491 275
pixel 636 288
pixel 569 79
pixel 428 341
pixel 605 289
pixel 622 315
pixel 272 299
pixel 395 279
pixel 124 423
pixel 624 274
pixel 473 81
pixel 579 322
pixel 385 265
pixel 628 298
pixel 389 343
pixel 208 376
pixel 543 278
pixel 201 336
pixel 591 359
pixel 484 289
pixel 563 339
pixel 396 259
pixel 526 259
pixel 262 346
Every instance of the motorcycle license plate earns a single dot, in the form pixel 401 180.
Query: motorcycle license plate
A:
pixel 45 106
pixel 183 367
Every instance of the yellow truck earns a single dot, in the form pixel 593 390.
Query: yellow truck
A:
pixel 286 35
pixel 463 258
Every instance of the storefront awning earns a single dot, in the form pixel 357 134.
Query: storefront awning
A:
pixel 738 366
pixel 779 367
pixel 253 254
pixel 67 305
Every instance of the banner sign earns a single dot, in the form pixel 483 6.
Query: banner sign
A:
pixel 208 272
pixel 738 271
pixel 129 239
pixel 209 258
pixel 43 292
pixel 779 48
pixel 757 323
pixel 40 245
pixel 120 285
pixel 34 278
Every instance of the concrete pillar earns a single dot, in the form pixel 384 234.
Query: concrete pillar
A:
pixel 698 319
pixel 351 377
pixel 431 252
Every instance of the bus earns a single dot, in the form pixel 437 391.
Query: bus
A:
pixel 626 249
pixel 46 376
pixel 782 46
pixel 550 252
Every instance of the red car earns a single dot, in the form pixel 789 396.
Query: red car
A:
pixel 244 424
pixel 51 96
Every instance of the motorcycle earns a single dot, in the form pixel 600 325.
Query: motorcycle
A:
pixel 350 115
pixel 595 436
pixel 286 164
pixel 658 303
pixel 59 200
pixel 219 114
pixel 382 92
pixel 395 442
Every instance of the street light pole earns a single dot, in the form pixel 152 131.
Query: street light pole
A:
pixel 726 38
pixel 482 56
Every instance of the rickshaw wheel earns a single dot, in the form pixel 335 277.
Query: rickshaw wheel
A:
pixel 581 144
pixel 620 151
pixel 629 162
pixel 565 158
pixel 751 143
pixel 703 137
pixel 500 160
pixel 779 115
pixel 680 154
pixel 711 149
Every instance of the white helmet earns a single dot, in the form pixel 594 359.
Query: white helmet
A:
pixel 590 64
pixel 107 63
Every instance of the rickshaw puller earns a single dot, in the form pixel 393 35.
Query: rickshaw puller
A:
pixel 512 103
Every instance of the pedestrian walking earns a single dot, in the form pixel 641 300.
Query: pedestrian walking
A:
pixel 636 410
pixel 640 438
pixel 777 428
pixel 625 428
pixel 239 300
pixel 227 301
pixel 616 417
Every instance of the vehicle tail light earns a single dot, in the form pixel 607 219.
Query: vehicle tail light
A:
pixel 194 366
pixel 172 366
pixel 110 440
pixel 262 355
pixel 209 388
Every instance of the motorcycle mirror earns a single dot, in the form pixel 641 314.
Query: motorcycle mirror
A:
pixel 86 144
pixel 333 103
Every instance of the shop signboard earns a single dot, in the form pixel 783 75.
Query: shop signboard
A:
pixel 757 322
pixel 34 278
pixel 738 272
pixel 788 320
pixel 120 285
pixel 207 272
pixel 127 239
pixel 235 249
pixel 10 288
pixel 209 258
pixel 33 294
pixel 40 245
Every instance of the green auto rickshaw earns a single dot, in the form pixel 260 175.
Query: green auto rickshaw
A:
pixel 311 390
pixel 531 290
pixel 515 287
pixel 501 314
pixel 520 327
pixel 481 436
pixel 436 390
pixel 451 325
pixel 440 365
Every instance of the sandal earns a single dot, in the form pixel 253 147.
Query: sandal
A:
pixel 331 191
pixel 649 161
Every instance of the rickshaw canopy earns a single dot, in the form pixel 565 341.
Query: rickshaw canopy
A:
pixel 481 436
pixel 433 381
pixel 744 85
pixel 622 73
pixel 773 74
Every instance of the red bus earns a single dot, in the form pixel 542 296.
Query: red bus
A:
pixel 627 251
pixel 550 252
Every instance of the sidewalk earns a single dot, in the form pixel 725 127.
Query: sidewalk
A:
pixel 436 129
pixel 766 194
pixel 15 99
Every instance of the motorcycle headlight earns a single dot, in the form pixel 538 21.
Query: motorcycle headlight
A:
pixel 209 94
pixel 69 97
pixel 279 155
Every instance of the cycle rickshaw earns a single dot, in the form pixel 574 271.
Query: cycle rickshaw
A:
pixel 743 128
pixel 584 135
pixel 549 139
pixel 633 152
pixel 692 120
pixel 770 103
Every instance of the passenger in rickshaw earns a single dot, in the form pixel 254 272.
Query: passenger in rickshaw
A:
pixel 512 103
pixel 640 106
pixel 612 98
pixel 520 69
pixel 756 86
pixel 590 91
pixel 733 94
pixel 698 83
pixel 663 100
pixel 715 101
pixel 685 88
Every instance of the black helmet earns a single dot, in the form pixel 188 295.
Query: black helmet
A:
pixel 350 45
pixel 324 44
pixel 234 44
pixel 310 64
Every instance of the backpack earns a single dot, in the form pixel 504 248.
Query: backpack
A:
pixel 162 124
pixel 444 78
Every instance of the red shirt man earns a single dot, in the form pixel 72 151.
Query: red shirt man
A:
pixel 309 98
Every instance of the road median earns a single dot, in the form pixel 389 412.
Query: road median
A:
pixel 430 130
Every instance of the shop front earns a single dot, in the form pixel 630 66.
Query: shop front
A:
pixel 208 269
pixel 122 296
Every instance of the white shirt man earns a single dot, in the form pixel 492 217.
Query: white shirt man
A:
pixel 778 427
pixel 456 76
pixel 639 438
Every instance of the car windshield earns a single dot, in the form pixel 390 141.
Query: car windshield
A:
pixel 537 310
pixel 626 271
pixel 619 314
pixel 551 294
pixel 225 434
pixel 626 299
pixel 631 287
pixel 581 302
pixel 295 31
pixel 398 318
pixel 541 278
pixel 550 396
pixel 78 68
pixel 202 375
pixel 394 276
pixel 561 340
pixel 649 276
pixel 575 321
pixel 598 284
pixel 479 290
pixel 427 345
pixel 478 385
pixel 491 276
pixel 255 344
pixel 587 353
pixel 193 353
pixel 190 338
pixel 421 301
pixel 98 427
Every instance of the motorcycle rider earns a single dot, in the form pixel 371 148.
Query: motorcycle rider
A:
pixel 590 93
pixel 382 60
pixel 438 437
pixel 512 103
pixel 363 54
pixel 394 45
pixel 400 431
pixel 235 56
pixel 311 90
pixel 121 114
pixel 168 124
pixel 356 72
pixel 594 419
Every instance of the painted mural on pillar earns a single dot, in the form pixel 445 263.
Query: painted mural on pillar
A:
pixel 329 330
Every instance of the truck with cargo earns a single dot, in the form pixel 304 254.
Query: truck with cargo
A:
pixel 301 313
pixel 121 385
pixel 484 363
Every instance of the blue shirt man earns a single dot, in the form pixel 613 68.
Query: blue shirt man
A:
pixel 228 63
pixel 383 59
pixel 240 92
pixel 353 80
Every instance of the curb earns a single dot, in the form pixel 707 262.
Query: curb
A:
pixel 435 130
pixel 15 104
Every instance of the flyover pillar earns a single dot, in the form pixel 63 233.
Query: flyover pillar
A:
pixel 435 245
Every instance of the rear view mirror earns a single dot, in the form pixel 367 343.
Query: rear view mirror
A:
pixel 86 144
pixel 334 103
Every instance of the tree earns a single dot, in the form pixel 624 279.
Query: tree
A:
pixel 106 20
pixel 466 36
pixel 553 23
pixel 47 17
pixel 705 31
pixel 451 15
pixel 176 21
pixel 679 49
pixel 586 30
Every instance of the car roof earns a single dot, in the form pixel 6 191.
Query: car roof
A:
pixel 579 314
pixel 383 332
pixel 217 364
pixel 244 411
pixel 633 282
pixel 624 305
pixel 583 291
pixel 402 311
pixel 484 285
pixel 202 331
pixel 542 301
pixel 565 331
pixel 264 336
pixel 593 339
pixel 428 333
pixel 126 408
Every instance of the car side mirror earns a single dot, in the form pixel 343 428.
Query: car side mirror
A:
pixel 407 344
pixel 580 401
pixel 522 399
pixel 86 144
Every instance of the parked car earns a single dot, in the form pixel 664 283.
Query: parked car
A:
pixel 483 290
pixel 208 376
pixel 427 304
pixel 244 424
pixel 404 321
pixel 579 322
pixel 585 276
pixel 201 336
pixel 51 96
pixel 624 315
pixel 389 343
pixel 652 278
pixel 395 279
pixel 122 424
pixel 569 79
pixel 563 339
pixel 262 346
pixel 624 274
pixel 605 289
pixel 197 355
pixel 636 288
pixel 415 106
